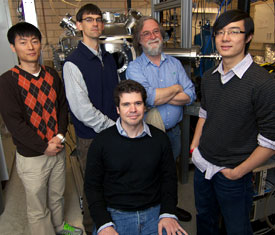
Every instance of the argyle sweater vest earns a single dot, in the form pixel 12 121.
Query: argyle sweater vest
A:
pixel 39 99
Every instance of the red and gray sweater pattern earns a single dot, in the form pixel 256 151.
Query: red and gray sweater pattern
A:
pixel 39 98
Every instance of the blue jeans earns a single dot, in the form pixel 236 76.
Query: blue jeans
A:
pixel 175 138
pixel 143 222
pixel 233 198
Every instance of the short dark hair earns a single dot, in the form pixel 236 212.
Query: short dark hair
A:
pixel 23 29
pixel 129 86
pixel 233 16
pixel 88 9
pixel 138 29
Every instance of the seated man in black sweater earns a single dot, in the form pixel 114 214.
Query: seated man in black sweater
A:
pixel 130 179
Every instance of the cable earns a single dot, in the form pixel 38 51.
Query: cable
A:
pixel 71 4
pixel 197 16
pixel 51 5
pixel 20 10
pixel 227 3
pixel 220 9
pixel 45 26
pixel 262 231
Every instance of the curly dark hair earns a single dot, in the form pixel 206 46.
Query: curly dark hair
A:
pixel 129 86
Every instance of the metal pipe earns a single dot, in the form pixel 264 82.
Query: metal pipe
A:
pixel 186 23
pixel 193 52
pixel 182 52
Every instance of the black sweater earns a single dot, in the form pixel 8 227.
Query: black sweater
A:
pixel 130 174
pixel 236 113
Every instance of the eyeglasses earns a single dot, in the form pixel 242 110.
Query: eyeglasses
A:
pixel 91 19
pixel 147 34
pixel 230 32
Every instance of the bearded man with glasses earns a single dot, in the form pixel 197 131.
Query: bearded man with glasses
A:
pixel 235 132
pixel 167 85
pixel 90 76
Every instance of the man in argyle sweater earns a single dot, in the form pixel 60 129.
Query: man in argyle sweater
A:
pixel 33 107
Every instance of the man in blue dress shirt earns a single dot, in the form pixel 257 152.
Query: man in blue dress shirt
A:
pixel 167 85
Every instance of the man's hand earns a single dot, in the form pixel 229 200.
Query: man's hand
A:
pixel 257 158
pixel 171 226
pixel 55 140
pixel 231 174
pixel 53 148
pixel 108 231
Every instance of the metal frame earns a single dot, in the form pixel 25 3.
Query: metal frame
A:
pixel 186 23
pixel 8 60
pixel 186 17
pixel 161 6
pixel 30 13
pixel 31 17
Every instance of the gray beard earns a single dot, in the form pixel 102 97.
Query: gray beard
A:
pixel 153 51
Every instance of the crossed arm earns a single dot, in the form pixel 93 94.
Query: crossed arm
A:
pixel 158 83
pixel 171 95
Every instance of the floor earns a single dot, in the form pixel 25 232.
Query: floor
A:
pixel 13 221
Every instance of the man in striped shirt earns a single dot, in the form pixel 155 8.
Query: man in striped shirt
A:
pixel 235 132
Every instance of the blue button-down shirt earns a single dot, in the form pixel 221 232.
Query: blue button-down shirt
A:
pixel 121 131
pixel 168 73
